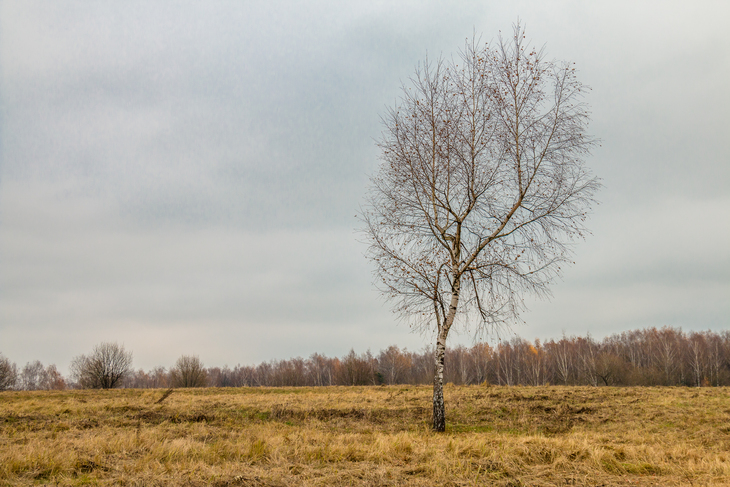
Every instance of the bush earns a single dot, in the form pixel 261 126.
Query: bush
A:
pixel 188 372
pixel 105 368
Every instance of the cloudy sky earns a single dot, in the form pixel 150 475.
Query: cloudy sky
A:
pixel 182 177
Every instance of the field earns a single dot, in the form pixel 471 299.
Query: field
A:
pixel 508 436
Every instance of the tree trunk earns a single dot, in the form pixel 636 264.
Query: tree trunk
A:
pixel 439 411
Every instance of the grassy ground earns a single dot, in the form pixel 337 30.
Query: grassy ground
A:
pixel 509 436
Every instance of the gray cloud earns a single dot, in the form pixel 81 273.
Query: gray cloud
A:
pixel 184 178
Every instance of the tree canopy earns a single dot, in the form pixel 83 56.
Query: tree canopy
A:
pixel 482 188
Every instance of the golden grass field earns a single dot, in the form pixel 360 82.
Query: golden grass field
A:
pixel 508 436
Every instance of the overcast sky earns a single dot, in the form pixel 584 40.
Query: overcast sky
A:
pixel 182 177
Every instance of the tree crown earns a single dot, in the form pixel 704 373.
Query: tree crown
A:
pixel 482 186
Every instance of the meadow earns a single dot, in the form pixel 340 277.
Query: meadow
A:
pixel 379 435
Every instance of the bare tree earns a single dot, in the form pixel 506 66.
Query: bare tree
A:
pixel 354 370
pixel 458 370
pixel 664 352
pixel 481 191
pixel 320 370
pixel 481 356
pixel 159 377
pixel 52 379
pixel 104 368
pixel 188 372
pixel 8 373
pixel 422 372
pixel 32 376
pixel 505 364
pixel 562 354
pixel 394 364
pixel 586 351
pixel 535 366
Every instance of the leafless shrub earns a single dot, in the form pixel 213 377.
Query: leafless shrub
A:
pixel 188 372
pixel 104 368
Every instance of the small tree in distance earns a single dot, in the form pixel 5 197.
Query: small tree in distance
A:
pixel 31 377
pixel 481 190
pixel 188 372
pixel 104 368
pixel 8 373
pixel 34 376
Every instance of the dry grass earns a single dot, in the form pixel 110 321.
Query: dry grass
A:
pixel 514 436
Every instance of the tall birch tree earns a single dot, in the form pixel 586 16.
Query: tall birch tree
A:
pixel 481 191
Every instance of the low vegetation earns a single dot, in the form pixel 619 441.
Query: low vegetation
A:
pixel 496 435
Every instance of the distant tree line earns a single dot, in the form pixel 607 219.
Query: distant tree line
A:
pixel 33 377
pixel 650 357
